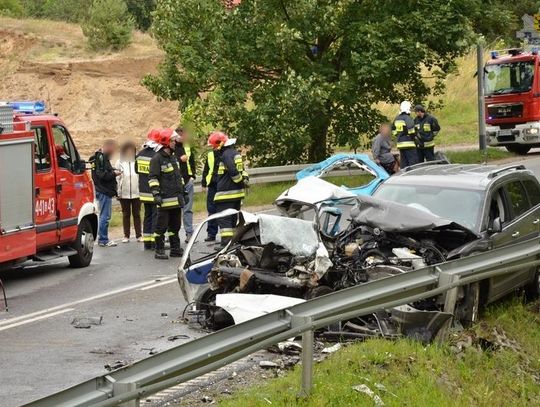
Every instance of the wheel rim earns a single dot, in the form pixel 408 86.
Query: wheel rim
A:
pixel 87 243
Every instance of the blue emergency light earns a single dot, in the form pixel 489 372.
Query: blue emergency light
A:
pixel 28 106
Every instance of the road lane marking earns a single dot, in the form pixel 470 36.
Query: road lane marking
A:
pixel 27 321
pixel 77 302
pixel 165 282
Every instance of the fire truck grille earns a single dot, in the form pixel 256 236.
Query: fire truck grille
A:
pixel 505 111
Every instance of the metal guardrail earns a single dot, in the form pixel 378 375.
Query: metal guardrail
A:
pixel 200 356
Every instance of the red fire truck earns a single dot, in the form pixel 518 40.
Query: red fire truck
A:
pixel 46 195
pixel 512 100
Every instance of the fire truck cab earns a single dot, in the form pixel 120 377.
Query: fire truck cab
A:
pixel 46 195
pixel 512 100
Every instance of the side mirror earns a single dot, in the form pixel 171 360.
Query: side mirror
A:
pixel 79 166
pixel 496 227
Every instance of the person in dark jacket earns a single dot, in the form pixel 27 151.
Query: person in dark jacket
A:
pixel 427 127
pixel 209 183
pixel 381 150
pixel 104 177
pixel 142 167
pixel 165 181
pixel 188 168
pixel 404 131
pixel 231 183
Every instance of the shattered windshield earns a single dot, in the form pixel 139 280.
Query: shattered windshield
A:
pixel 514 77
pixel 457 205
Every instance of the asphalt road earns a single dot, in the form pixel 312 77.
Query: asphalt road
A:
pixel 137 297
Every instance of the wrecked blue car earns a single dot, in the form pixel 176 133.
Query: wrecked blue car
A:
pixel 348 165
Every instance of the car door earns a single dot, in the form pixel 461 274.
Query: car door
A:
pixel 45 188
pixel 521 222
pixel 68 182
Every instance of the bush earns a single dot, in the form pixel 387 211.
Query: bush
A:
pixel 10 8
pixel 108 25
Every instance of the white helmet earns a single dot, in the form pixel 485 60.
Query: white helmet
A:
pixel 405 107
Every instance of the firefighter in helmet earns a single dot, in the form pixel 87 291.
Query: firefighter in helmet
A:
pixel 167 186
pixel 142 167
pixel 404 131
pixel 232 179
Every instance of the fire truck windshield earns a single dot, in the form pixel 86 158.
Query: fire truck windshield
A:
pixel 513 77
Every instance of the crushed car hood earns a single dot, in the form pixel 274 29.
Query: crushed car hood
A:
pixel 398 218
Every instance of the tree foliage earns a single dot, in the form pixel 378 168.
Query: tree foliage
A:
pixel 11 8
pixel 108 25
pixel 292 78
pixel 141 10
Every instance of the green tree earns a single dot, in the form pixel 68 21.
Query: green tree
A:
pixel 292 78
pixel 11 7
pixel 108 25
pixel 141 10
pixel 66 10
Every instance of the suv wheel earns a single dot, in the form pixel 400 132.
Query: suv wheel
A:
pixel 532 290
pixel 518 149
pixel 84 245
pixel 468 307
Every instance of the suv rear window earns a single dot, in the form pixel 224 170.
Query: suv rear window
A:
pixel 533 190
pixel 518 198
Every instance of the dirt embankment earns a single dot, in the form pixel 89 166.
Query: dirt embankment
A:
pixel 98 97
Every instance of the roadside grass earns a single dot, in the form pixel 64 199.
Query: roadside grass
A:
pixel 415 374
pixel 476 156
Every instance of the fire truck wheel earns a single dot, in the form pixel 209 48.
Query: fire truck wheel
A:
pixel 518 149
pixel 84 245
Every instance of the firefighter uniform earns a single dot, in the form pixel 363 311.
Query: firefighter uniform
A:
pixel 166 184
pixel 188 170
pixel 230 189
pixel 404 131
pixel 142 167
pixel 427 128
pixel 209 181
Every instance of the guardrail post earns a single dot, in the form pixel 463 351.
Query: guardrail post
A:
pixel 450 301
pixel 121 387
pixel 307 362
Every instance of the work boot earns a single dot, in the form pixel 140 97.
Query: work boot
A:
pixel 188 237
pixel 176 251
pixel 161 255
pixel 210 239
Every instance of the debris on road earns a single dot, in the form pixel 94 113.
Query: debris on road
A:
pixel 362 388
pixel 86 322
pixel 332 349
pixel 164 314
pixel 151 351
pixel 206 399
pixel 115 365
pixel 176 337
pixel 99 351
pixel 290 348
pixel 266 364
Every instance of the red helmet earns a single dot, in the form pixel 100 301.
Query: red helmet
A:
pixel 216 139
pixel 153 135
pixel 165 137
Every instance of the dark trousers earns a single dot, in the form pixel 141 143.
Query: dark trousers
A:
pixel 212 226
pixel 408 157
pixel 149 224
pixel 131 207
pixel 169 222
pixel 426 154
pixel 228 223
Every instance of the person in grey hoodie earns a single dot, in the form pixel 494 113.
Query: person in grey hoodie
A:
pixel 382 150
pixel 128 191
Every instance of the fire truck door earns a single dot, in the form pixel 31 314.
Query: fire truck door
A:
pixel 69 181
pixel 45 189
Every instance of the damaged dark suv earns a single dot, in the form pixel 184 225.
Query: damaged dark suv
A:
pixel 329 239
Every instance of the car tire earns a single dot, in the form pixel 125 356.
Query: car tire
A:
pixel 532 290
pixel 468 307
pixel 215 317
pixel 84 245
pixel 518 149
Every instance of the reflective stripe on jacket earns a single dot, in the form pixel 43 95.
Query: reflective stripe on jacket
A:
pixel 209 173
pixel 165 179
pixel 142 167
pixel 231 173
pixel 427 128
pixel 404 131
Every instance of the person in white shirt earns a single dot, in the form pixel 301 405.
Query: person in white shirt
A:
pixel 128 191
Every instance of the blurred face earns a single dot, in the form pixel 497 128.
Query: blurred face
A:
pixel 385 130
pixel 185 136
pixel 420 114
pixel 172 143
pixel 110 148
